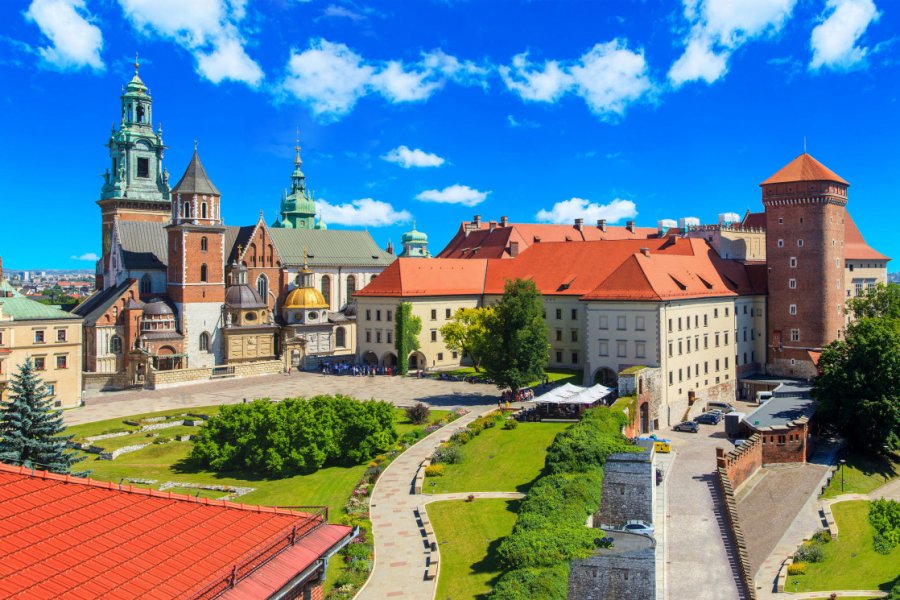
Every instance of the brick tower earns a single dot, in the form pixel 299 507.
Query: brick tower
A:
pixel 137 186
pixel 196 278
pixel 805 210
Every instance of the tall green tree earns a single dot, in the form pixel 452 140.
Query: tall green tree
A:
pixel 859 386
pixel 882 301
pixel 30 429
pixel 406 339
pixel 516 341
pixel 466 333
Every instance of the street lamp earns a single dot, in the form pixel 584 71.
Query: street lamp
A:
pixel 842 462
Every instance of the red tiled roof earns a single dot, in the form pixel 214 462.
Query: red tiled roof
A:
pixel 804 168
pixel 65 536
pixel 428 277
pixel 855 246
pixel 754 220
pixel 487 242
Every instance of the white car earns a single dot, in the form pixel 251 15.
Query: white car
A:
pixel 641 527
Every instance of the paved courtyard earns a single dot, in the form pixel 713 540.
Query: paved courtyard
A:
pixel 402 391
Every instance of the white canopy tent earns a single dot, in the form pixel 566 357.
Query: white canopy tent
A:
pixel 573 394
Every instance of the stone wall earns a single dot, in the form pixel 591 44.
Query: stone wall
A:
pixel 741 463
pixel 160 379
pixel 606 576
pixel 629 486
pixel 102 382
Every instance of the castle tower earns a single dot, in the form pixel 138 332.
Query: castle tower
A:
pixel 196 277
pixel 805 211
pixel 415 244
pixel 135 185
pixel 298 209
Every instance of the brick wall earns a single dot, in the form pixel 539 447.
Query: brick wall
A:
pixel 741 463
pixel 785 445
pixel 737 534
pixel 606 576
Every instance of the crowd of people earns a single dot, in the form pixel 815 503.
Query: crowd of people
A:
pixel 355 369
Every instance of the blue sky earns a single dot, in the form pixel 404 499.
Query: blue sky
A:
pixel 439 110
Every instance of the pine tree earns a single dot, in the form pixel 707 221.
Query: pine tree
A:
pixel 30 428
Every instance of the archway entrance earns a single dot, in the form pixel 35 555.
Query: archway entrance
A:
pixel 370 358
pixel 645 417
pixel 389 360
pixel 417 361
pixel 606 376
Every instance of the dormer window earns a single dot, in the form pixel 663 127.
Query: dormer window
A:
pixel 143 167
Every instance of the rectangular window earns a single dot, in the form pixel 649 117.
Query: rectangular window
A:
pixel 434 314
pixel 670 378
pixel 574 335
pixel 447 313
pixel 574 358
pixel 39 363
pixel 679 323
pixel 793 262
pixel 455 356
pixel 715 313
pixel 51 389
pixel 574 314
pixel 858 286
pixel 717 340
pixel 670 349
pixel 620 323
pixel 726 362
pixel 792 309
pixel 377 315
pixel 670 325
pixel 559 335
pixel 726 338
pixel 705 367
pixel 640 349
pixel 604 322
pixel 621 349
pixel 680 348
pixel 696 321
pixel 795 335
pixel 60 335
pixel 390 315
pixel 558 356
pixel 705 320
pixel 792 283
pixel 390 337
pixel 726 311
pixel 680 375
pixel 705 341
pixel 717 364
pixel 377 337
pixel 39 336
pixel 143 167
pixel 440 356
pixel 368 336
pixel 639 323
pixel 62 362
pixel 604 348
pixel 434 335
pixel 558 315
pixel 368 314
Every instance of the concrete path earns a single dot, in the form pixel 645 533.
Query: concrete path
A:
pixel 660 510
pixel 400 553
pixel 429 498
pixel 402 391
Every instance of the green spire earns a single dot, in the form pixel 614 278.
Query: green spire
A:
pixel 298 209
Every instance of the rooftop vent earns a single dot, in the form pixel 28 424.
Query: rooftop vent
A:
pixel 579 224
pixel 504 221
pixel 601 224
pixel 645 252
pixel 629 225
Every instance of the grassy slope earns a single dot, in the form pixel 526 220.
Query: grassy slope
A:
pixel 850 563
pixel 862 474
pixel 499 460
pixel 469 534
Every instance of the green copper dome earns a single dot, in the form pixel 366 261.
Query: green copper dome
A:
pixel 414 236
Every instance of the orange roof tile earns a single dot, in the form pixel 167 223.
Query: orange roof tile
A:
pixel 428 277
pixel 855 246
pixel 66 536
pixel 804 168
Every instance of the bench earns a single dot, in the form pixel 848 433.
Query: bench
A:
pixel 432 570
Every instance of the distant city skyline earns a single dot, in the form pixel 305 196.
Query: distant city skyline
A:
pixel 434 115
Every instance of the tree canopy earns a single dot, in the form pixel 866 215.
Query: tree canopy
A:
pixel 30 429
pixel 859 386
pixel 466 333
pixel 516 340
pixel 406 339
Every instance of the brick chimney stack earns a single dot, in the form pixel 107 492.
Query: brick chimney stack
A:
pixel 504 221
pixel 477 221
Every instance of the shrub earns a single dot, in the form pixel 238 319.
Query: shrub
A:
pixel 881 544
pixel 449 455
pixel 162 440
pixel 822 536
pixel 434 471
pixel 809 553
pixel 895 590
pixel 884 515
pixel 550 583
pixel 510 424
pixel 418 413
pixel 461 437
pixel 411 437
pixel 797 568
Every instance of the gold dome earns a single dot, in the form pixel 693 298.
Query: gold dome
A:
pixel 305 298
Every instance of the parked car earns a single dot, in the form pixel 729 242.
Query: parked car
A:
pixel 708 418
pixel 723 406
pixel 739 443
pixel 659 476
pixel 687 426
pixel 641 527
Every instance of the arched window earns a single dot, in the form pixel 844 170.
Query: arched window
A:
pixel 186 210
pixel 146 284
pixel 340 337
pixel 271 253
pixel 204 243
pixel 204 342
pixel 203 210
pixel 115 344
pixel 203 273
pixel 262 286
pixel 351 286
pixel 326 288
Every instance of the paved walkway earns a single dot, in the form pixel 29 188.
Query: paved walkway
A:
pixel 660 510
pixel 840 594
pixel 399 569
pixel 402 391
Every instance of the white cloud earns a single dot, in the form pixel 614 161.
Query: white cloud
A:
pixel 341 12
pixel 206 28
pixel 718 28
pixel 609 77
pixel 516 123
pixel 364 212
pixel 331 78
pixel 86 256
pixel 407 158
pixel 454 194
pixel 566 211
pixel 834 40
pixel 75 41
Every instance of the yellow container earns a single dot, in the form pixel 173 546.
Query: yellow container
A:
pixel 662 447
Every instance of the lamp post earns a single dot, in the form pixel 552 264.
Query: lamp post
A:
pixel 843 462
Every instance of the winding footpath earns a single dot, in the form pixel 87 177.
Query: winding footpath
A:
pixel 400 548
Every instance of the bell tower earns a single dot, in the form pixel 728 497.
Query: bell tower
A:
pixel 196 266
pixel 135 184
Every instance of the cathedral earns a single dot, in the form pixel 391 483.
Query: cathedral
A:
pixel 179 290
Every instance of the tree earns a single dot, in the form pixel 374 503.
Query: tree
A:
pixel 881 301
pixel 406 339
pixel 516 340
pixel 467 332
pixel 859 386
pixel 30 428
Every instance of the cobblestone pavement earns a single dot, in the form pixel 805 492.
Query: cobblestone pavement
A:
pixel 402 391
pixel 701 559
pixel 400 553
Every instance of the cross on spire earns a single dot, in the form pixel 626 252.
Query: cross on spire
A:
pixel 297 160
pixel 137 63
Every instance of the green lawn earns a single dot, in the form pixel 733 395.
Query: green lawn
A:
pixel 555 375
pixel 499 460
pixel 404 425
pixel 469 534
pixel 850 562
pixel 863 473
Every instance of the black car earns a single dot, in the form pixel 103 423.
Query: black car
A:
pixel 687 426
pixel 708 418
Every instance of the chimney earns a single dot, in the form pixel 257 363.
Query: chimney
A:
pixel 645 252
pixel 514 249
pixel 504 221
pixel 492 225
pixel 629 225
pixel 477 221
pixel 579 224
pixel 601 224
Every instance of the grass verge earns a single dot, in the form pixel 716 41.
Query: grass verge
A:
pixel 863 473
